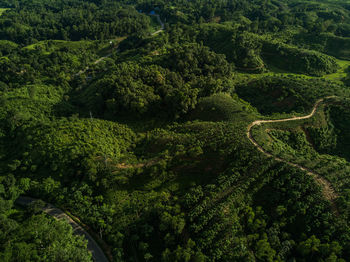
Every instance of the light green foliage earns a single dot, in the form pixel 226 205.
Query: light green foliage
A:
pixel 66 143
pixel 318 144
pixel 287 93
pixel 29 235
pixel 220 107
pixel 2 10
pixel 145 139
pixel 172 88
pixel 40 231
pixel 298 60
pixel 327 43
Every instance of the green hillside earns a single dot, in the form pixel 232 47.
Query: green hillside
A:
pixel 218 131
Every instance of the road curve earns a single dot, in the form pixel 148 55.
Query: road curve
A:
pixel 327 189
pixel 93 247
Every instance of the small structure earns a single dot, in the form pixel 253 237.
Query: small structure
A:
pixel 152 12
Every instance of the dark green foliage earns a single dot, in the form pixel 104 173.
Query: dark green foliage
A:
pixel 346 79
pixel 277 94
pixel 243 49
pixel 130 88
pixel 168 87
pixel 339 118
pixel 204 69
pixel 297 60
pixel 69 147
pixel 295 140
pixel 28 235
pixel 31 21
pixel 144 137
pixel 252 53
pixel 324 139
pixel 295 213
pixel 218 107
pixel 326 43
pixel 37 232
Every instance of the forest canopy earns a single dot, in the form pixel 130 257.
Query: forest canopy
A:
pixel 136 118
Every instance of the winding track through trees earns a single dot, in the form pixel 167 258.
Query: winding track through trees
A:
pixel 161 25
pixel 110 54
pixel 327 189
pixel 93 247
pixel 57 213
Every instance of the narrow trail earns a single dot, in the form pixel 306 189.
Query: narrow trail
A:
pixel 161 25
pixel 109 54
pixel 327 189
pixel 93 247
pixel 95 63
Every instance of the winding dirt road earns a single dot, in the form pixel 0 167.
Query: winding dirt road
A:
pixel 93 247
pixel 327 189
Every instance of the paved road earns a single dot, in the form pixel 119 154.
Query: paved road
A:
pixel 57 213
pixel 327 189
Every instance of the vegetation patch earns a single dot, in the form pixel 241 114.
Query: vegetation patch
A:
pixel 219 107
pixel 2 10
pixel 141 135
pixel 274 94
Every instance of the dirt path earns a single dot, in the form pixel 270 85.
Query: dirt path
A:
pixel 93 247
pixel 95 62
pixel 327 189
pixel 161 25
pixel 108 55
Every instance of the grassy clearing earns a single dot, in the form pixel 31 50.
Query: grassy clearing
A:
pixel 75 45
pixel 337 76
pixel 53 45
pixel 222 107
pixel 106 47
pixel 274 71
pixel 2 10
